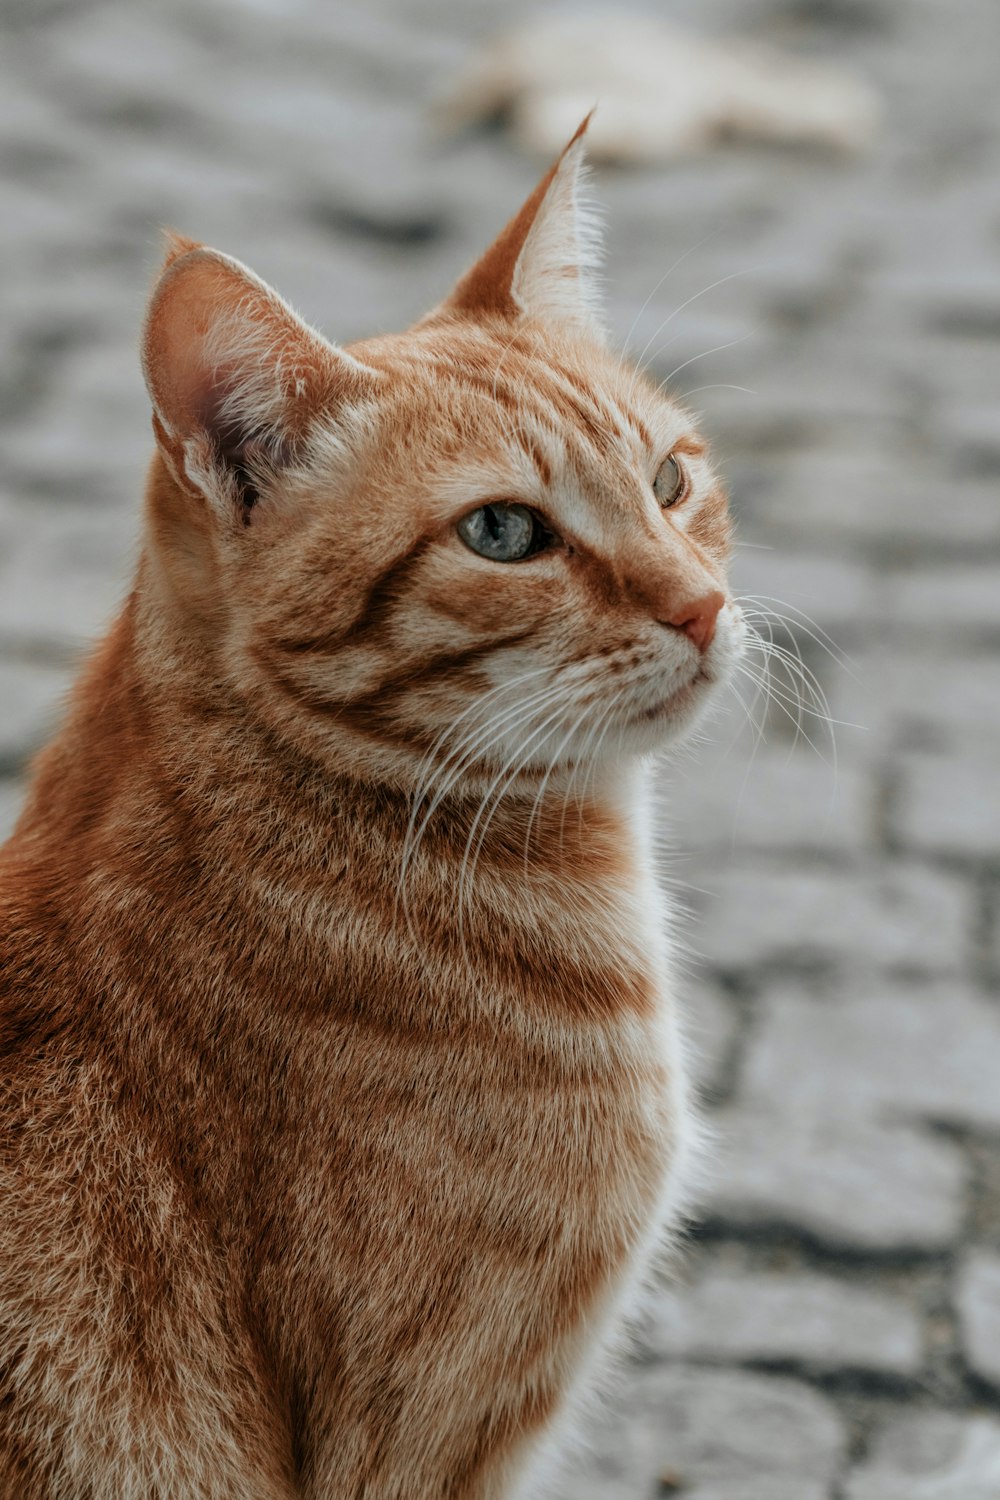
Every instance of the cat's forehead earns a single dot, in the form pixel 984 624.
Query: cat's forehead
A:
pixel 556 403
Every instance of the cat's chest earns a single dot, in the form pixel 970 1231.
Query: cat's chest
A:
pixel 507 1129
pixel 472 1172
pixel 535 1022
pixel 497 1068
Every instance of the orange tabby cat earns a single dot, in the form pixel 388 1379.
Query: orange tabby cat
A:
pixel 341 1091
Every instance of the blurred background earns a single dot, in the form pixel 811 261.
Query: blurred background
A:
pixel 834 1332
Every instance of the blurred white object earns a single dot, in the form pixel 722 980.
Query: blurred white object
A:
pixel 661 92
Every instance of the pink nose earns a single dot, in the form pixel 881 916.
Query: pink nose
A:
pixel 697 617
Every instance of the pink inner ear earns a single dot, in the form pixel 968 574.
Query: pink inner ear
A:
pixel 224 355
pixel 195 293
pixel 226 359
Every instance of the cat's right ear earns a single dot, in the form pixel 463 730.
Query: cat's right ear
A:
pixel 236 378
pixel 543 265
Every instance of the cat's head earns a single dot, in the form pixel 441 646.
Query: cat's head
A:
pixel 488 538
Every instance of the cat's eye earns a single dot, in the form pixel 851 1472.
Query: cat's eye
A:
pixel 670 484
pixel 503 531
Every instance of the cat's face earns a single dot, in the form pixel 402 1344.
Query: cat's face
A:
pixel 486 540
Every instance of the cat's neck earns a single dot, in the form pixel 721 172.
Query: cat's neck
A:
pixel 195 862
pixel 157 744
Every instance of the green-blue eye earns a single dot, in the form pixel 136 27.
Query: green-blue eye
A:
pixel 670 483
pixel 503 531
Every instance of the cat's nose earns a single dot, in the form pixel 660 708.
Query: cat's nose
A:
pixel 697 617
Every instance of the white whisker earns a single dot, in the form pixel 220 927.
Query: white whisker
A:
pixel 489 803
pixel 691 250
pixel 716 349
pixel 733 276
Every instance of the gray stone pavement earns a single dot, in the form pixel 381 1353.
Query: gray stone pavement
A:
pixel 833 1331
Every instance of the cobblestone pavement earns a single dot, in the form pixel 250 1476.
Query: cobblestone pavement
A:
pixel 835 1330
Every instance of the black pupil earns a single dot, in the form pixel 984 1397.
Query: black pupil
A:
pixel 493 524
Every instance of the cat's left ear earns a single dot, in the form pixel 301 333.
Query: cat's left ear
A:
pixel 543 265
pixel 238 381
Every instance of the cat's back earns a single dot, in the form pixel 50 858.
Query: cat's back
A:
pixel 47 1042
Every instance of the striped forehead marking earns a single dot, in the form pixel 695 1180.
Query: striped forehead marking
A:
pixel 541 398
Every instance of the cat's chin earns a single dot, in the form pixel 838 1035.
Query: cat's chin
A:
pixel 674 717
pixel 674 704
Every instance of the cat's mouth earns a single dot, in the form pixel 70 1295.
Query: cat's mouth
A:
pixel 674 702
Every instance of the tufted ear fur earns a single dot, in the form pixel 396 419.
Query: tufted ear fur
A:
pixel 235 376
pixel 543 264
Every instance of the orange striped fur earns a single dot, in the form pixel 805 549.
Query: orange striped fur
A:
pixel 341 1098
